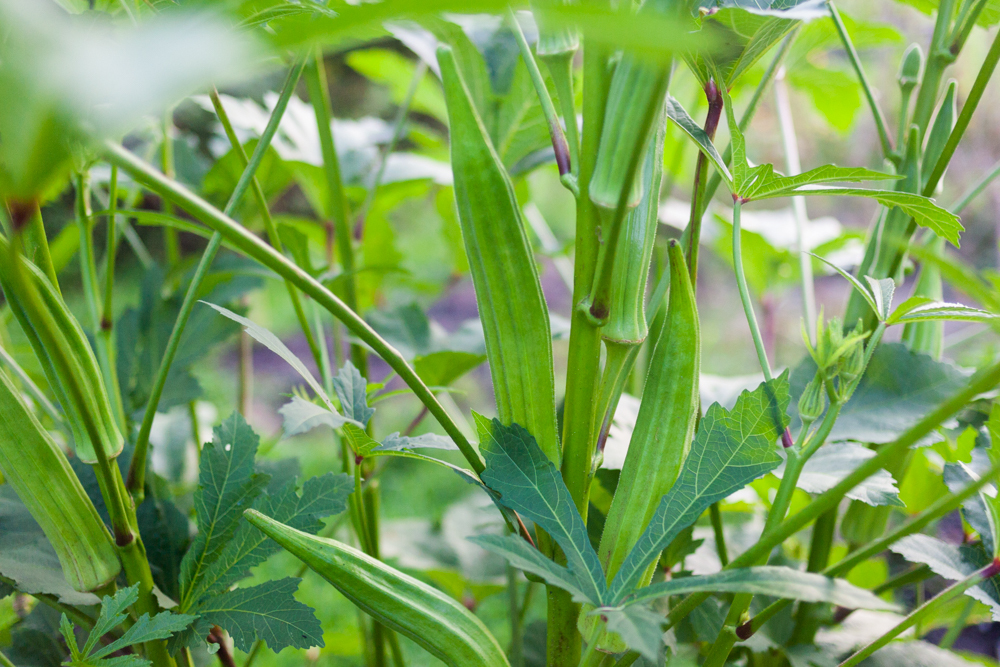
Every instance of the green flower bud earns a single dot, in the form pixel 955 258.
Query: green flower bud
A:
pixel 812 403
pixel 911 68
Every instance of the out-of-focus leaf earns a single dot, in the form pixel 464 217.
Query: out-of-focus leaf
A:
pixel 975 510
pixel 835 461
pixel 640 627
pixel 953 562
pixel 300 416
pixel 525 557
pixel 897 390
pixel 440 369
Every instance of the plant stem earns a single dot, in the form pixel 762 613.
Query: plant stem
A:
pixel 852 54
pixel 976 189
pixel 5 661
pixel 962 122
pixel 559 143
pixel 741 282
pixel 43 254
pixel 170 240
pixel 319 95
pixel 111 249
pixel 799 212
pixel 966 20
pixel 137 468
pixel 720 536
pixel 748 114
pixel 419 72
pixel 516 652
pixel 980 383
pixel 939 56
pixel 956 628
pixel 560 68
pixel 269 226
pixel 691 238
pixel 583 365
pixel 925 610
pixel 248 244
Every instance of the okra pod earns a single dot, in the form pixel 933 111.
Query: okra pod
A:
pixel 512 308
pixel 47 321
pixel 40 474
pixel 627 327
pixel 432 619
pixel 665 424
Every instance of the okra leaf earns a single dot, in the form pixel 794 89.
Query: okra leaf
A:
pixel 273 343
pixel 898 388
pixel 829 173
pixel 397 442
pixel 862 289
pixel 976 509
pixel 771 580
pixel 440 369
pixel 351 389
pixel 300 415
pixel 679 115
pixel 320 497
pixel 146 629
pixel 882 291
pixel 835 461
pixel 640 628
pixel 268 612
pixel 923 309
pixel 922 209
pixel 529 483
pixel 954 562
pixel 27 558
pixel 525 557
pixel 227 485
pixel 731 449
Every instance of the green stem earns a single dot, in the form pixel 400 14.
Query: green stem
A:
pixel 516 652
pixel 852 54
pixel 5 661
pixel 691 239
pixel 748 114
pixel 120 157
pixel 170 240
pixel 319 95
pixel 110 251
pixel 962 123
pixel 956 628
pixel 583 364
pixel 925 610
pixel 253 247
pixel 43 255
pixel 976 189
pixel 966 20
pixel 559 143
pixel 939 56
pixel 944 505
pixel 560 68
pixel 741 282
pixel 720 536
pixel 911 576
pixel 419 72
pixel 269 226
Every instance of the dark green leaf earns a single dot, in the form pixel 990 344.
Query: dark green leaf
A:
pixel 954 562
pixel 830 173
pixel 835 461
pixel 897 390
pixel 683 120
pixel 640 627
pixel 530 484
pixel 227 485
pixel 248 547
pixel 268 612
pixel 166 535
pixel 27 558
pixel 145 629
pixel 730 450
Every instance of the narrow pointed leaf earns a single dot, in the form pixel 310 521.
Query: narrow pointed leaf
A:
pixel 523 556
pixel 531 485
pixel 855 283
pixel 679 115
pixel 301 416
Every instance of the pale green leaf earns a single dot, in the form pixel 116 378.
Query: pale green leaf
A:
pixel 954 562
pixel 976 509
pixel 525 557
pixel 300 416
pixel 639 627
pixel 530 484
pixel 922 309
pixel 395 441
pixel 835 461
pixel 683 120
pixel 829 173
pixel 351 389
pixel 770 580
pixel 882 291
pixel 731 449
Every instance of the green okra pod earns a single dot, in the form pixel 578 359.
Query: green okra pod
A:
pixel 40 474
pixel 627 327
pixel 944 122
pixel 511 305
pixel 47 321
pixel 432 619
pixel 665 424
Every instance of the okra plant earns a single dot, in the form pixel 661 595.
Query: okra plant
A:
pixel 581 489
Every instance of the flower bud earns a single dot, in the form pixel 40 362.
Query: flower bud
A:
pixel 911 68
pixel 813 401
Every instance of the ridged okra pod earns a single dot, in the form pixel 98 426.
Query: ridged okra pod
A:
pixel 396 600
pixel 665 425
pixel 40 474
pixel 512 308
pixel 47 321
pixel 627 327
